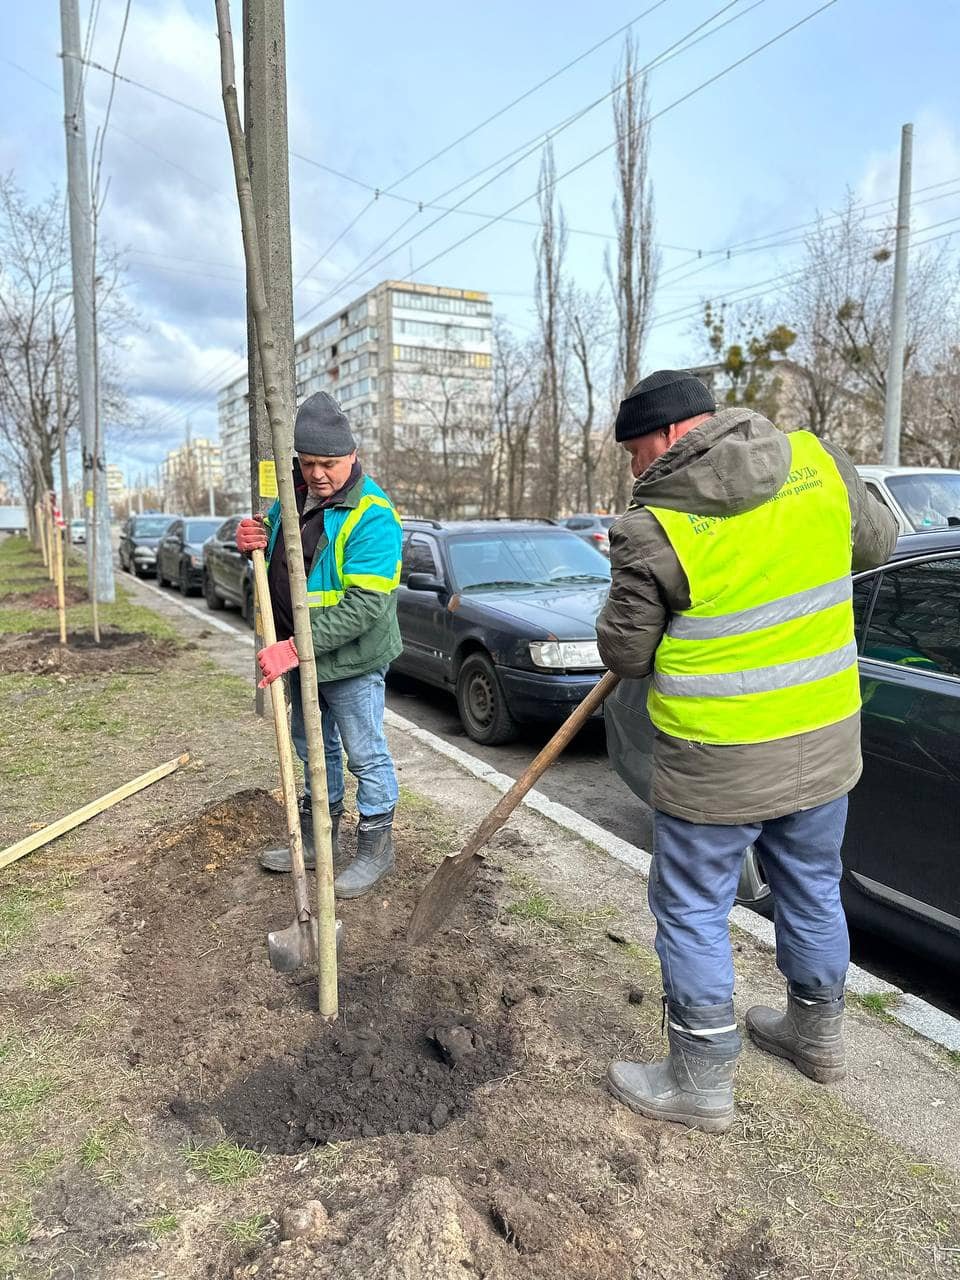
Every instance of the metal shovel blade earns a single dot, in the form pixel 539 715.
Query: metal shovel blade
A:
pixel 295 947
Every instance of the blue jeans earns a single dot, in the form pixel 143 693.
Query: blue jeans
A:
pixel 352 714
pixel 693 884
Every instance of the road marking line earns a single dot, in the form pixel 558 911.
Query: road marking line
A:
pixel 196 613
pixel 917 1015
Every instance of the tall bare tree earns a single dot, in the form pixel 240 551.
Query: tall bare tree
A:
pixel 516 407
pixel 588 326
pixel 633 276
pixel 551 250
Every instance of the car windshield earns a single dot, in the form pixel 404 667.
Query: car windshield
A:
pixel 152 526
pixel 607 521
pixel 930 500
pixel 504 560
pixel 198 530
pixel 78 524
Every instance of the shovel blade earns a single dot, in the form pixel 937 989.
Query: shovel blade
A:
pixel 296 946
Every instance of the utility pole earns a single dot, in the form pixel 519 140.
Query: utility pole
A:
pixel 265 130
pixel 65 504
pixel 210 499
pixel 898 309
pixel 99 549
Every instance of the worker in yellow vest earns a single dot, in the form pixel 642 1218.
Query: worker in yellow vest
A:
pixel 731 587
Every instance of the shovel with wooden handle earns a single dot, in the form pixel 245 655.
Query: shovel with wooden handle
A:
pixel 295 946
pixel 451 879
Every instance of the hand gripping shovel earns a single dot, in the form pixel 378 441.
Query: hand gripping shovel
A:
pixel 449 882
pixel 294 947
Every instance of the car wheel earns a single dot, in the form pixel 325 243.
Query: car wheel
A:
pixel 753 890
pixel 183 580
pixel 480 700
pixel 161 580
pixel 214 601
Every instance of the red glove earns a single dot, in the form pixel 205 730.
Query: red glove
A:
pixel 251 534
pixel 276 659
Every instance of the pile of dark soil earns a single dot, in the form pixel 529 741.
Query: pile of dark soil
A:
pixel 40 653
pixel 46 597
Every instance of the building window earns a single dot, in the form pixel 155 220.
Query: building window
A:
pixel 442 357
pixel 451 333
pixel 441 305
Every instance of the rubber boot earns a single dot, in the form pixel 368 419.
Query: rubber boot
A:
pixel 685 1088
pixel 279 859
pixel 809 1034
pixel 375 857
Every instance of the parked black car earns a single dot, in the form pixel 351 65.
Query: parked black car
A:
pixel 592 529
pixel 180 552
pixel 901 872
pixel 502 613
pixel 139 538
pixel 227 573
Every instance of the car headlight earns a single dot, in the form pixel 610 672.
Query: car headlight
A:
pixel 556 654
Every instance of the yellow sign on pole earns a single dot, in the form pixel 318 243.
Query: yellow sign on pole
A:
pixel 268 480
pixel 88 498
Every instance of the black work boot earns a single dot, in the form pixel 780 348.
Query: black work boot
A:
pixel 685 1088
pixel 375 857
pixel 279 859
pixel 809 1034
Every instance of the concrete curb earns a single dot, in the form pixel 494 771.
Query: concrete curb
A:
pixel 909 1010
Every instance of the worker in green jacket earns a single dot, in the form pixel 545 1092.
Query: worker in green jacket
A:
pixel 351 549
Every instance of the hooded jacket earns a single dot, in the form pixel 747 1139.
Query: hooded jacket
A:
pixel 734 462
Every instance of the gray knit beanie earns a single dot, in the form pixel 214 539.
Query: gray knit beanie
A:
pixel 322 429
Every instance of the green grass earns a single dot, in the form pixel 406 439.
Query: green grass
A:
pixel 538 907
pixel 224 1163
pixel 53 983
pixel 22 1093
pixel 877 1002
pixel 35 1169
pixel 21 904
pixel 105 1146
pixel 163 1224
pixel 16 1221
pixel 93 1149
pixel 251 1230
pixel 122 614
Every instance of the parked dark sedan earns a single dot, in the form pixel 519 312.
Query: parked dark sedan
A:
pixel 180 552
pixel 227 573
pixel 901 872
pixel 503 614
pixel 139 538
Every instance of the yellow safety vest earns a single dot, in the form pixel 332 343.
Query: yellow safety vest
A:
pixel 767 647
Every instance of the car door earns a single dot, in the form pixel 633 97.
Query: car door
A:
pixel 168 552
pixel 219 561
pixel 422 615
pixel 125 549
pixel 903 844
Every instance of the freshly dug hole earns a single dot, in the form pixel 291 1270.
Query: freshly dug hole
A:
pixel 378 1070
pixel 40 652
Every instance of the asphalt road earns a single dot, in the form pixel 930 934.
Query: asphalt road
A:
pixel 583 781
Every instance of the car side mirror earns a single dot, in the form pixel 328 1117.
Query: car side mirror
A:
pixel 425 582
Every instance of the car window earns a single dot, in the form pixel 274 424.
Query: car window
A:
pixel 175 529
pixel 507 559
pixel 931 500
pixel 226 530
pixel 200 530
pixel 607 521
pixel 418 557
pixel 149 526
pixel 916 617
pixel 863 591
pixel 578 522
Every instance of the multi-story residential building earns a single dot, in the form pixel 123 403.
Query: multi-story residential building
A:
pixel 116 488
pixel 189 473
pixel 411 364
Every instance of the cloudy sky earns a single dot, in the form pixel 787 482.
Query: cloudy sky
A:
pixel 376 89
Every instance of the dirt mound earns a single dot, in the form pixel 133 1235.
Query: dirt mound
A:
pixel 46 597
pixel 384 1076
pixel 40 653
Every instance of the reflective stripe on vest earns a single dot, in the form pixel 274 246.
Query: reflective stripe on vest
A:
pixel 767 648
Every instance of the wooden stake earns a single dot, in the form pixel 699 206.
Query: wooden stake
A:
pixel 281 430
pixel 51 530
pixel 63 825
pixel 42 526
pixel 61 595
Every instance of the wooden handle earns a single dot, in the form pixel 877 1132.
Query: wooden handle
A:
pixel 288 778
pixel 570 727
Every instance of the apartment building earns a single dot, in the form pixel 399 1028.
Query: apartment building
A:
pixel 116 488
pixel 412 366
pixel 189 473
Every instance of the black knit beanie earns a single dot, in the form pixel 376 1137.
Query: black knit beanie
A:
pixel 660 399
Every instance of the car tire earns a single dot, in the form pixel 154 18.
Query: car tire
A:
pixel 183 580
pixel 753 890
pixel 161 580
pixel 214 601
pixel 482 704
